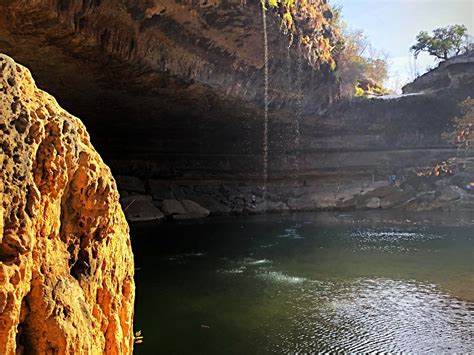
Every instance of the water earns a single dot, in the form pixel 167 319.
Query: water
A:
pixel 288 284
pixel 265 123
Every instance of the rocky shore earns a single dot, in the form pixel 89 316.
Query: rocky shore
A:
pixel 151 199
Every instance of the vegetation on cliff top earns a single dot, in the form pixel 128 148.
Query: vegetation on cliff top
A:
pixel 323 37
pixel 444 43
pixel 361 69
pixel 310 24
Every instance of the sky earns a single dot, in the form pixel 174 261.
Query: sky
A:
pixel 392 26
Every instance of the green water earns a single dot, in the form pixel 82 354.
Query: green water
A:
pixel 289 284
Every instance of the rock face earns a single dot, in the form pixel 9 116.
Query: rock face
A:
pixel 66 265
pixel 180 84
pixel 202 56
pixel 454 73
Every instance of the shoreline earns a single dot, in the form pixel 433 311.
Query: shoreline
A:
pixel 329 218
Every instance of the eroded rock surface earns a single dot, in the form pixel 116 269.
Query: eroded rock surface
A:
pixel 66 265
pixel 454 73
pixel 180 84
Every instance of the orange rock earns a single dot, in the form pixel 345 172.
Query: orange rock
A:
pixel 66 264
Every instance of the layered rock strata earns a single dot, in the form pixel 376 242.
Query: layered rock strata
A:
pixel 173 95
pixel 66 265
pixel 454 73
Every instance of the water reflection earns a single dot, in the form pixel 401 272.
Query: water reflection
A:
pixel 289 286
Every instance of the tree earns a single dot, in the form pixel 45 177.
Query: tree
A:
pixel 443 43
pixel 361 69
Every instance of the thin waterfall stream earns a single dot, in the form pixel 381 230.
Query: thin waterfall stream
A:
pixel 265 124
pixel 298 113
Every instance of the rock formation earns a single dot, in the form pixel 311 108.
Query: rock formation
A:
pixel 172 94
pixel 199 54
pixel 66 265
pixel 454 73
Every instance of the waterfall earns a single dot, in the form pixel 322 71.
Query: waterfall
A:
pixel 298 114
pixel 265 125
pixel 288 65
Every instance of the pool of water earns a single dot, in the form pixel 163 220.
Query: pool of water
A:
pixel 290 284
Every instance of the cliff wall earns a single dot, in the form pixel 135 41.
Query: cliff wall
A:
pixel 172 93
pixel 66 265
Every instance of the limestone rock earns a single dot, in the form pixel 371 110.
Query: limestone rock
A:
pixel 185 209
pixel 66 265
pixel 347 204
pixel 216 206
pixel 448 198
pixel 139 208
pixel 396 199
pixel 205 51
pixel 194 208
pixel 374 202
pixel 446 75
pixel 171 207
pixel 180 71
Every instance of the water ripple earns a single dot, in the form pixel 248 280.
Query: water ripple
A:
pixel 373 315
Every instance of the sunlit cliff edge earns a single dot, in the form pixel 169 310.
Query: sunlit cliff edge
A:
pixel 66 265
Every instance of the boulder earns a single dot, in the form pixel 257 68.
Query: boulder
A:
pixel 192 210
pixel 66 264
pixel 447 199
pixel 185 209
pixel 172 207
pixel 130 184
pixel 374 202
pixel 347 204
pixel 396 199
pixel 214 204
pixel 139 208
